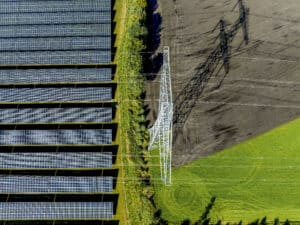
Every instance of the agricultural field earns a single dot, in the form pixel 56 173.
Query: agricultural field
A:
pixel 260 90
pixel 226 144
pixel 259 177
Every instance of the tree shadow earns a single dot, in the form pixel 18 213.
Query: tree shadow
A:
pixel 153 60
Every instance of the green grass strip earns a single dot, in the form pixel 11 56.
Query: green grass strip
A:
pixel 257 178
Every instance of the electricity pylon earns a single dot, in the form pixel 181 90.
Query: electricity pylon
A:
pixel 161 131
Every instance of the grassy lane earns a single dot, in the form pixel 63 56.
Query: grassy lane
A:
pixel 260 177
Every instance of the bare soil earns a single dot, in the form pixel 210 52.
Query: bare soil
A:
pixel 261 89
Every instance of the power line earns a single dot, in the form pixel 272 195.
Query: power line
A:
pixel 207 181
pixel 234 11
pixel 223 166
pixel 214 76
pixel 228 103
pixel 251 86
pixel 219 157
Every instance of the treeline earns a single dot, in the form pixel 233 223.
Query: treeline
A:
pixel 206 220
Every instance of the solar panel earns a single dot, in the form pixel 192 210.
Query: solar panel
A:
pixel 56 210
pixel 63 136
pixel 55 115
pixel 55 57
pixel 58 184
pixel 55 43
pixel 55 160
pixel 52 32
pixel 55 75
pixel 55 18
pixel 9 6
pixel 63 30
pixel 88 94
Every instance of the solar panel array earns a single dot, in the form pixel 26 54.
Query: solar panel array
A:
pixel 58 160
pixel 55 57
pixel 51 53
pixel 58 30
pixel 55 210
pixel 54 43
pixel 55 32
pixel 37 18
pixel 76 75
pixel 55 137
pixel 37 184
pixel 10 6
pixel 55 115
pixel 61 94
pixel 55 160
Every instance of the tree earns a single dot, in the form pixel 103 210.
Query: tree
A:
pixel 186 222
pixel 263 221
pixel 276 221
pixel 204 220
pixel 219 222
pixel 256 222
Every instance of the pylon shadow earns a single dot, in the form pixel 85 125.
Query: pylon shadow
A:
pixel 188 96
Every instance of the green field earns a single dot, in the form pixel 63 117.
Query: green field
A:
pixel 259 177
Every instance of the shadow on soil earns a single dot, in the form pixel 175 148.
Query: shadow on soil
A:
pixel 153 60
pixel 187 98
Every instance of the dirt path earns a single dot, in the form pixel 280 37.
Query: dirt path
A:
pixel 262 88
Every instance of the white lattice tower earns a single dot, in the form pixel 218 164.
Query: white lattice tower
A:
pixel 161 132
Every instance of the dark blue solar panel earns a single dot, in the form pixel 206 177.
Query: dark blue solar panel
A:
pixel 55 115
pixel 55 43
pixel 55 18
pixel 56 210
pixel 55 57
pixel 64 30
pixel 8 76
pixel 9 6
pixel 88 94
pixel 52 32
pixel 55 160
pixel 63 136
pixel 58 184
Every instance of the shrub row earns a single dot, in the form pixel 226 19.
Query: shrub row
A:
pixel 133 138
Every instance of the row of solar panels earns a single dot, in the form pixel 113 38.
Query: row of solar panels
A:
pixel 55 115
pixel 52 32
pixel 55 18
pixel 58 184
pixel 55 32
pixel 55 75
pixel 55 210
pixel 55 160
pixel 58 30
pixel 55 57
pixel 55 43
pixel 12 6
pixel 63 94
pixel 54 137
pixel 66 75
